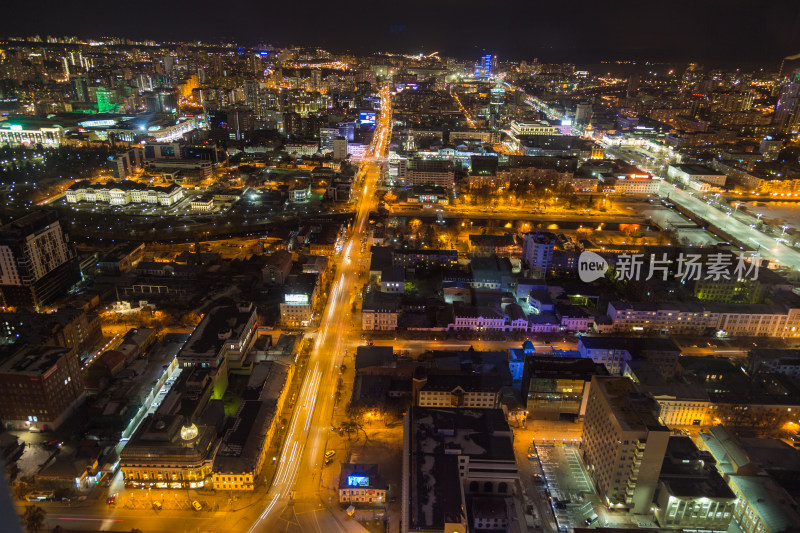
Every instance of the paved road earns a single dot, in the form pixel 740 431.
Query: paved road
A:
pixel 294 502
pixel 766 246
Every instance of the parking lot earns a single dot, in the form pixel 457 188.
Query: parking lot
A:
pixel 571 489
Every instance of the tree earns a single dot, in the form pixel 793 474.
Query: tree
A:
pixel 21 489
pixel 34 518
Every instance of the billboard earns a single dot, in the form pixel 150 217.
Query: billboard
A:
pixel 301 299
pixel 367 117
pixel 357 481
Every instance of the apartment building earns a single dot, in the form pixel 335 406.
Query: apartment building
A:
pixel 379 311
pixel 623 443
pixel 37 262
pixel 687 318
pixel 467 390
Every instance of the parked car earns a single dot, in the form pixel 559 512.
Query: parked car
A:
pixel 197 506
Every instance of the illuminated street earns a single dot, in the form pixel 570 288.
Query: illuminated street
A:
pixel 298 476
pixel 378 268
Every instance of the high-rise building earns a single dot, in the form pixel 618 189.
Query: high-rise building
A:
pixel 37 262
pixel 234 124
pixel 583 113
pixel 326 137
pixel 105 100
pixel 537 250
pixel 340 149
pixel 633 86
pixel 163 101
pixel 39 385
pixel 787 110
pixel 80 88
pixel 169 64
pixel 623 443
pixel 316 79
pixel 430 172
pixel 487 64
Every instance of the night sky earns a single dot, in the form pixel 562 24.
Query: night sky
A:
pixel 732 31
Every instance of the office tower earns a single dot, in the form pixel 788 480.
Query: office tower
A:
pixel 39 385
pixel 623 443
pixel 487 65
pixel 316 79
pixel 144 83
pixel 787 110
pixel 37 262
pixel 537 250
pixel 339 149
pixel 633 86
pixel 583 113
pixel 235 124
pixel 347 130
pixel 105 100
pixel 169 64
pixel 165 101
pixel 431 172
pixel 80 88
pixel 326 137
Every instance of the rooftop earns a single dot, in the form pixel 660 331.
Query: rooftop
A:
pixel 633 410
pixel 698 170
pixel 771 503
pixel 219 326
pixel 241 446
pixel 30 360
pixel 688 472
pixel 634 345
pixel 361 476
pixel 437 437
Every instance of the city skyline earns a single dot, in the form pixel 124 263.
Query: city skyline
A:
pixel 442 282
pixel 717 32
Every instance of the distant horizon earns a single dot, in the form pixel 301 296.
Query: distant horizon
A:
pixel 628 64
pixel 729 32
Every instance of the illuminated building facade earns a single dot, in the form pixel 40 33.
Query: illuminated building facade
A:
pixel 623 443
pixel 39 386
pixel 361 483
pixel 168 451
pixel 297 308
pixel 21 135
pixel 123 193
pixel 37 262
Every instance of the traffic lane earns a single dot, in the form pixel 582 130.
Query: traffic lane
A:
pixel 742 232
pixel 150 520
